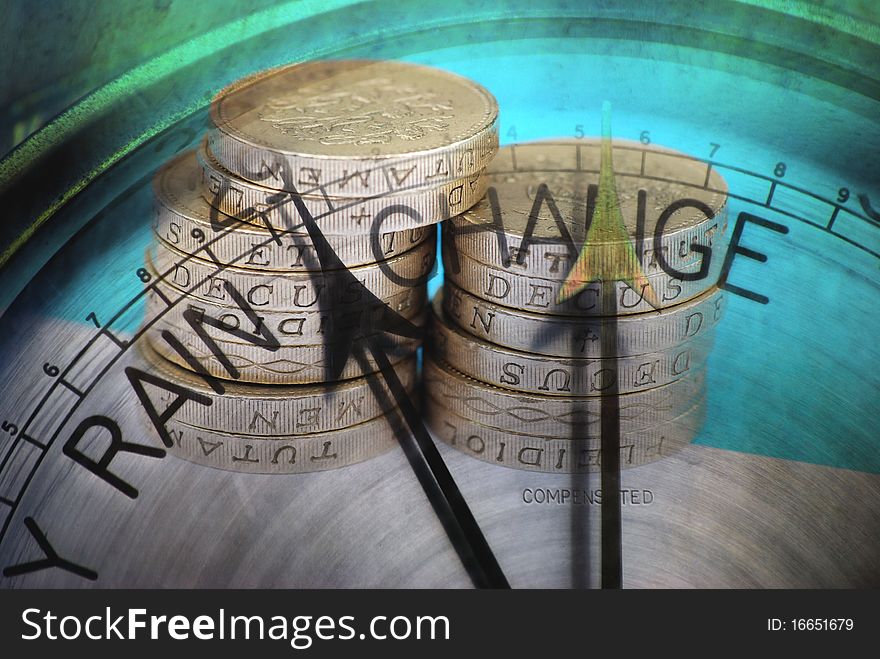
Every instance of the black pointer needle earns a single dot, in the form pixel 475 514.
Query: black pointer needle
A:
pixel 450 506
pixel 608 256
pixel 612 531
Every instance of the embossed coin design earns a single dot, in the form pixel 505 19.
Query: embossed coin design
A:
pixel 518 290
pixel 283 455
pixel 185 220
pixel 263 410
pixel 551 454
pixel 291 328
pixel 295 290
pixel 560 375
pixel 554 416
pixel 288 364
pixel 358 126
pixel 572 336
pixel 407 207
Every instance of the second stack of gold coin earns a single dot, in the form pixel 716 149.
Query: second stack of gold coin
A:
pixel 517 372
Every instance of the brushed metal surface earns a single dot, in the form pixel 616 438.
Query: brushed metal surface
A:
pixel 703 517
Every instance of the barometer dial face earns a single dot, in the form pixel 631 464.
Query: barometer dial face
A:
pixel 779 488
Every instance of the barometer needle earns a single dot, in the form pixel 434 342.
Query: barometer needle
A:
pixel 608 256
pixel 440 487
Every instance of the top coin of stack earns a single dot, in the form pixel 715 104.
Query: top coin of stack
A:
pixel 358 140
pixel 359 157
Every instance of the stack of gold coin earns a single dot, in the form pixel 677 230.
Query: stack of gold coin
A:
pixel 528 341
pixel 304 221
